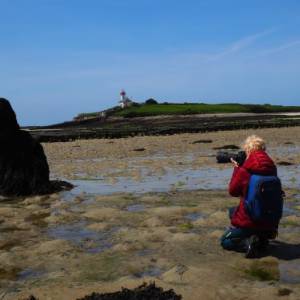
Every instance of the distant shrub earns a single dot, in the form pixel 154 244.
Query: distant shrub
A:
pixel 117 107
pixel 151 101
pixel 189 111
pixel 257 108
pixel 135 104
pixel 86 115
pixel 131 114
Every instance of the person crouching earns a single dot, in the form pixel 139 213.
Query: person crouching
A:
pixel 257 216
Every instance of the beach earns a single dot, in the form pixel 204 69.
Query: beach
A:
pixel 143 209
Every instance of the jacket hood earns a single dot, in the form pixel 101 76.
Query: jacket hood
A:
pixel 8 120
pixel 259 162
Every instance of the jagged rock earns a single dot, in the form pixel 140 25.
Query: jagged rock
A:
pixel 24 168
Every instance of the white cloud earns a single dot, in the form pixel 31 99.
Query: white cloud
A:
pixel 281 48
pixel 241 44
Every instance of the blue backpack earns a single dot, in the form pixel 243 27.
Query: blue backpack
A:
pixel 264 199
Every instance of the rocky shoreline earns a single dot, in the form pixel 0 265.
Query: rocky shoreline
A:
pixel 119 127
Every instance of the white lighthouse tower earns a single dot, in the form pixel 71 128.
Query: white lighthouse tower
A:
pixel 123 96
pixel 125 101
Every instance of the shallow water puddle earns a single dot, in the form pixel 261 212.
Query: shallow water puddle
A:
pixel 152 271
pixel 289 211
pixel 30 274
pixel 194 216
pixel 181 180
pixel 136 208
pixel 189 179
pixel 86 239
pixel 146 252
pixel 289 149
pixel 290 272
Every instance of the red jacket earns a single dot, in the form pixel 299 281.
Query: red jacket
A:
pixel 257 163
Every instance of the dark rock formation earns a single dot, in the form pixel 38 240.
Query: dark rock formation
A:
pixel 139 149
pixel 227 147
pixel 143 292
pixel 31 298
pixel 24 168
pixel 202 142
pixel 284 163
pixel 284 292
pixel 120 127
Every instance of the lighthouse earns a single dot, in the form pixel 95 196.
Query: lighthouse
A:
pixel 125 101
pixel 123 95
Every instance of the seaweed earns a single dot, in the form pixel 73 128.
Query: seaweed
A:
pixel 143 292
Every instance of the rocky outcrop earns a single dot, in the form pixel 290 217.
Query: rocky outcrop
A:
pixel 24 168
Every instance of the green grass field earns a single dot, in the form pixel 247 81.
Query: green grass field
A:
pixel 190 108
pixel 143 110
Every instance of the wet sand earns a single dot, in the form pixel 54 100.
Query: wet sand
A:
pixel 112 230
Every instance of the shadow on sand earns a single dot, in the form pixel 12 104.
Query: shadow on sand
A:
pixel 284 251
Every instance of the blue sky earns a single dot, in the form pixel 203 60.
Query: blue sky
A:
pixel 62 57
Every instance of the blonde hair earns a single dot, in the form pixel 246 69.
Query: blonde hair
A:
pixel 254 143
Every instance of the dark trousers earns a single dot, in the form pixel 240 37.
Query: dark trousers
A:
pixel 235 238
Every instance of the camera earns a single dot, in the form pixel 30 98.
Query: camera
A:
pixel 224 157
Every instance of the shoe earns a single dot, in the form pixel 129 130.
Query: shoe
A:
pixel 252 247
pixel 263 244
